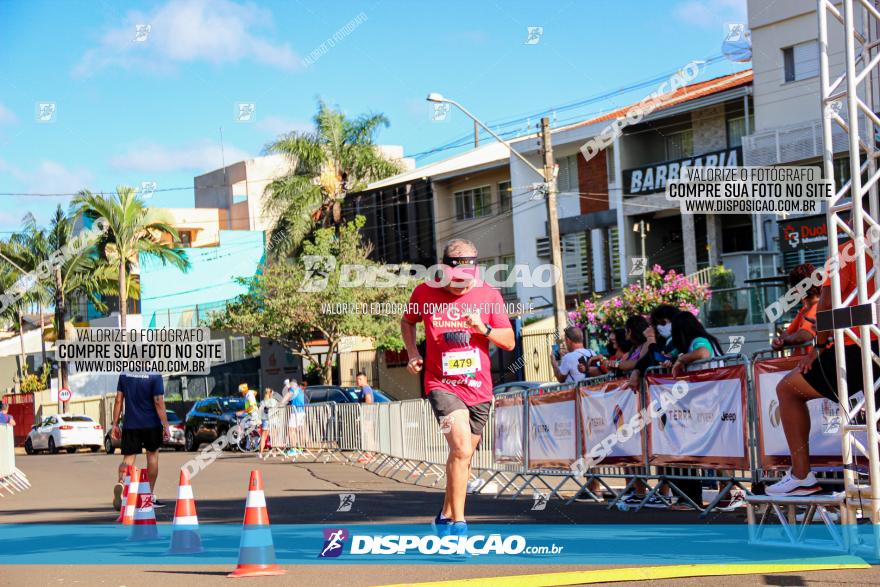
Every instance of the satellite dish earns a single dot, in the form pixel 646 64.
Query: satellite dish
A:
pixel 737 46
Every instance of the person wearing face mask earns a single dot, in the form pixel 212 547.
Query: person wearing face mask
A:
pixel 662 349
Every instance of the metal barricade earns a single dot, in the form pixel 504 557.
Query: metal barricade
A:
pixel 673 470
pixel 768 366
pixel 629 462
pixel 551 446
pixel 278 440
pixel 11 478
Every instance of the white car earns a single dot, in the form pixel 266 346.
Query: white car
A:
pixel 67 431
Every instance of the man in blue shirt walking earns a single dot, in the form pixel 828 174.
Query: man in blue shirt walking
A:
pixel 145 426
pixel 366 393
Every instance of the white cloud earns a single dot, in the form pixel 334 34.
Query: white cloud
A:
pixel 49 177
pixel 276 125
pixel 7 116
pixel 712 13
pixel 155 158
pixel 216 31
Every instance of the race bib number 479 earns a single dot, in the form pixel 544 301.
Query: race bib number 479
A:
pixel 461 362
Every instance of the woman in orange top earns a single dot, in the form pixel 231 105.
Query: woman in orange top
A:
pixel 817 376
pixel 803 328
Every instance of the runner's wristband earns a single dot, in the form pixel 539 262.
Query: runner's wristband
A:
pixel 488 331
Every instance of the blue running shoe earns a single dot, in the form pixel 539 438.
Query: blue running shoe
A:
pixel 458 529
pixel 441 525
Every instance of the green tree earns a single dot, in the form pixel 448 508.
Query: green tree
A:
pixel 296 302
pixel 134 230
pixel 56 271
pixel 337 158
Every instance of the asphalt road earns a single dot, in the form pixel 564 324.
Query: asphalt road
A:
pixel 75 489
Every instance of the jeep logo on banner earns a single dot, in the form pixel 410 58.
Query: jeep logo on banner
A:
pixel 652 179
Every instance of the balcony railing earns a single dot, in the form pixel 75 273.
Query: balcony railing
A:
pixel 740 306
pixel 790 143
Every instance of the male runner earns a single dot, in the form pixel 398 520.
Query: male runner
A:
pixel 461 318
pixel 145 426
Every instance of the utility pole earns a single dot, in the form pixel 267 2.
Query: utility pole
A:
pixel 553 227
pixel 476 135
pixel 643 229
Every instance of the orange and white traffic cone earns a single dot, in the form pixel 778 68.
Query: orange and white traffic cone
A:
pixel 126 480
pixel 185 537
pixel 130 504
pixel 144 527
pixel 256 553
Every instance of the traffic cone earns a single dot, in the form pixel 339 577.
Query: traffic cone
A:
pixel 131 491
pixel 126 480
pixel 256 553
pixel 144 527
pixel 185 537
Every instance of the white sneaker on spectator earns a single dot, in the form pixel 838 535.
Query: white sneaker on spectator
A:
pixel 735 499
pixel 791 485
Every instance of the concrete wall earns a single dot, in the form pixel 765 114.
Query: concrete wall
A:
pixel 774 26
pixel 239 189
pixel 710 129
pixel 210 279
pixel 205 223
pixel 493 235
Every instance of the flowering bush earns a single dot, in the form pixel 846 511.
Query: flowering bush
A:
pixel 661 287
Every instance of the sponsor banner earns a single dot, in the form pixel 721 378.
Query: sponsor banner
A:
pixel 508 433
pixel 825 419
pixel 806 232
pixel 390 544
pixel 604 409
pixel 552 425
pixel 707 426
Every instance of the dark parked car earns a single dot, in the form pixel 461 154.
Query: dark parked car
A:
pixel 176 442
pixel 209 419
pixel 518 386
pixel 341 395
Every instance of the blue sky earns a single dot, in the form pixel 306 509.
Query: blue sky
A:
pixel 128 111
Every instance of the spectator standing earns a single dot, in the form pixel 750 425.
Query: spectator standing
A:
pixel 566 369
pixel 5 418
pixel 294 396
pixel 267 416
pixel 365 395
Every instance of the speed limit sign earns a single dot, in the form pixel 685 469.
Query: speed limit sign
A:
pixel 64 395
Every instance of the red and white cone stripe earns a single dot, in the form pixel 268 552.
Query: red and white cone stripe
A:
pixel 131 500
pixel 144 513
pixel 126 480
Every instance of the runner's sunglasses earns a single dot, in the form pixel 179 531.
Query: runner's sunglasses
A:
pixel 456 261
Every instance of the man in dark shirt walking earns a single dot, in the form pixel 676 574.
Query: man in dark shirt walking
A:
pixel 145 426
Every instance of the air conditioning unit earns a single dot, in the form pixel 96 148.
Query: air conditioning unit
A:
pixel 542 247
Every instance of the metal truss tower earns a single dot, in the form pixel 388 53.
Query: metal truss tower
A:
pixel 849 67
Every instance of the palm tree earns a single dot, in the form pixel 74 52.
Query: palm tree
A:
pixel 78 273
pixel 337 158
pixel 133 230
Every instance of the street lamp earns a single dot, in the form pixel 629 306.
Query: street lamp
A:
pixel 549 191
pixel 440 98
pixel 643 228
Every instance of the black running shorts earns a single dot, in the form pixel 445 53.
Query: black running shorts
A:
pixel 133 440
pixel 445 403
